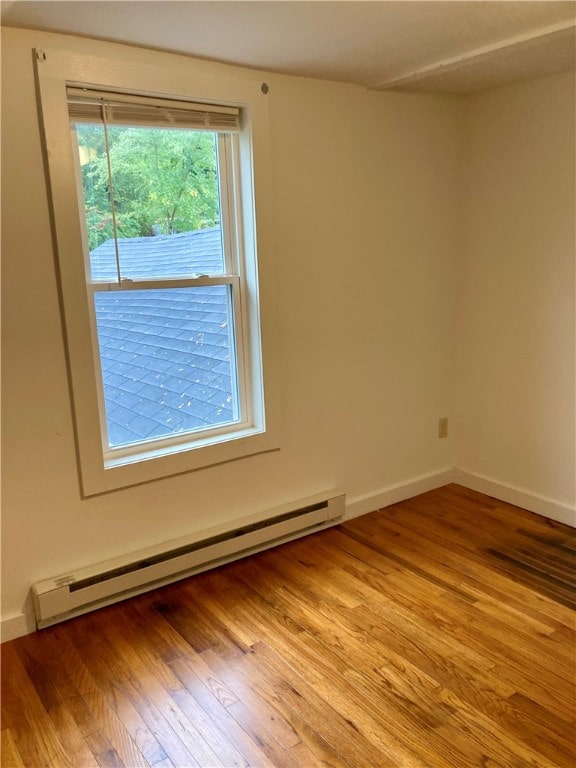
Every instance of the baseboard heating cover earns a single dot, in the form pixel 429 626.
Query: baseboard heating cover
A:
pixel 72 594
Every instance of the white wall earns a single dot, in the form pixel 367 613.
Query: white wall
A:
pixel 365 193
pixel 515 382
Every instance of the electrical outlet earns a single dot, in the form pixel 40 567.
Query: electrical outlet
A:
pixel 443 427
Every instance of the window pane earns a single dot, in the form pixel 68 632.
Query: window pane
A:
pixel 167 361
pixel 166 201
pixel 91 144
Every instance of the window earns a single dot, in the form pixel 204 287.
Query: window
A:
pixel 160 215
pixel 154 209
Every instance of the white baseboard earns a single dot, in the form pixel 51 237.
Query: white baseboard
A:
pixel 395 493
pixel 17 625
pixel 517 496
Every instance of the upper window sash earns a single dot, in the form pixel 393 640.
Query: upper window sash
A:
pixel 227 157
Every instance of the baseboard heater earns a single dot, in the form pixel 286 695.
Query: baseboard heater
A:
pixel 94 587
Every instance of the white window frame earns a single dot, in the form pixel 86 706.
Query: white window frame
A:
pixel 101 470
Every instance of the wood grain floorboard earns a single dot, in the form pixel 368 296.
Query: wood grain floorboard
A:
pixel 435 633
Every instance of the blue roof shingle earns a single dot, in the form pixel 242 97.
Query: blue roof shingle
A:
pixel 181 255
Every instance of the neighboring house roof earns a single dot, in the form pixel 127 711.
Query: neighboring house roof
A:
pixel 165 352
pixel 181 255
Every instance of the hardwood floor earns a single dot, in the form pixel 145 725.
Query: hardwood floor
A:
pixel 437 632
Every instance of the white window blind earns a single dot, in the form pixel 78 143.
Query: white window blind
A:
pixel 86 105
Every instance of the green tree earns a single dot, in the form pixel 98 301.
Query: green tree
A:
pixel 164 181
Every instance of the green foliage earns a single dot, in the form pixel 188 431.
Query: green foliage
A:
pixel 164 181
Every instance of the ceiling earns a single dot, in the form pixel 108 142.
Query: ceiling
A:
pixel 455 46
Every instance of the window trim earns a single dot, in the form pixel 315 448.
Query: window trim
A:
pixel 187 80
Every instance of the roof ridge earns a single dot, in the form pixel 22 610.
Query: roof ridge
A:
pixel 157 238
